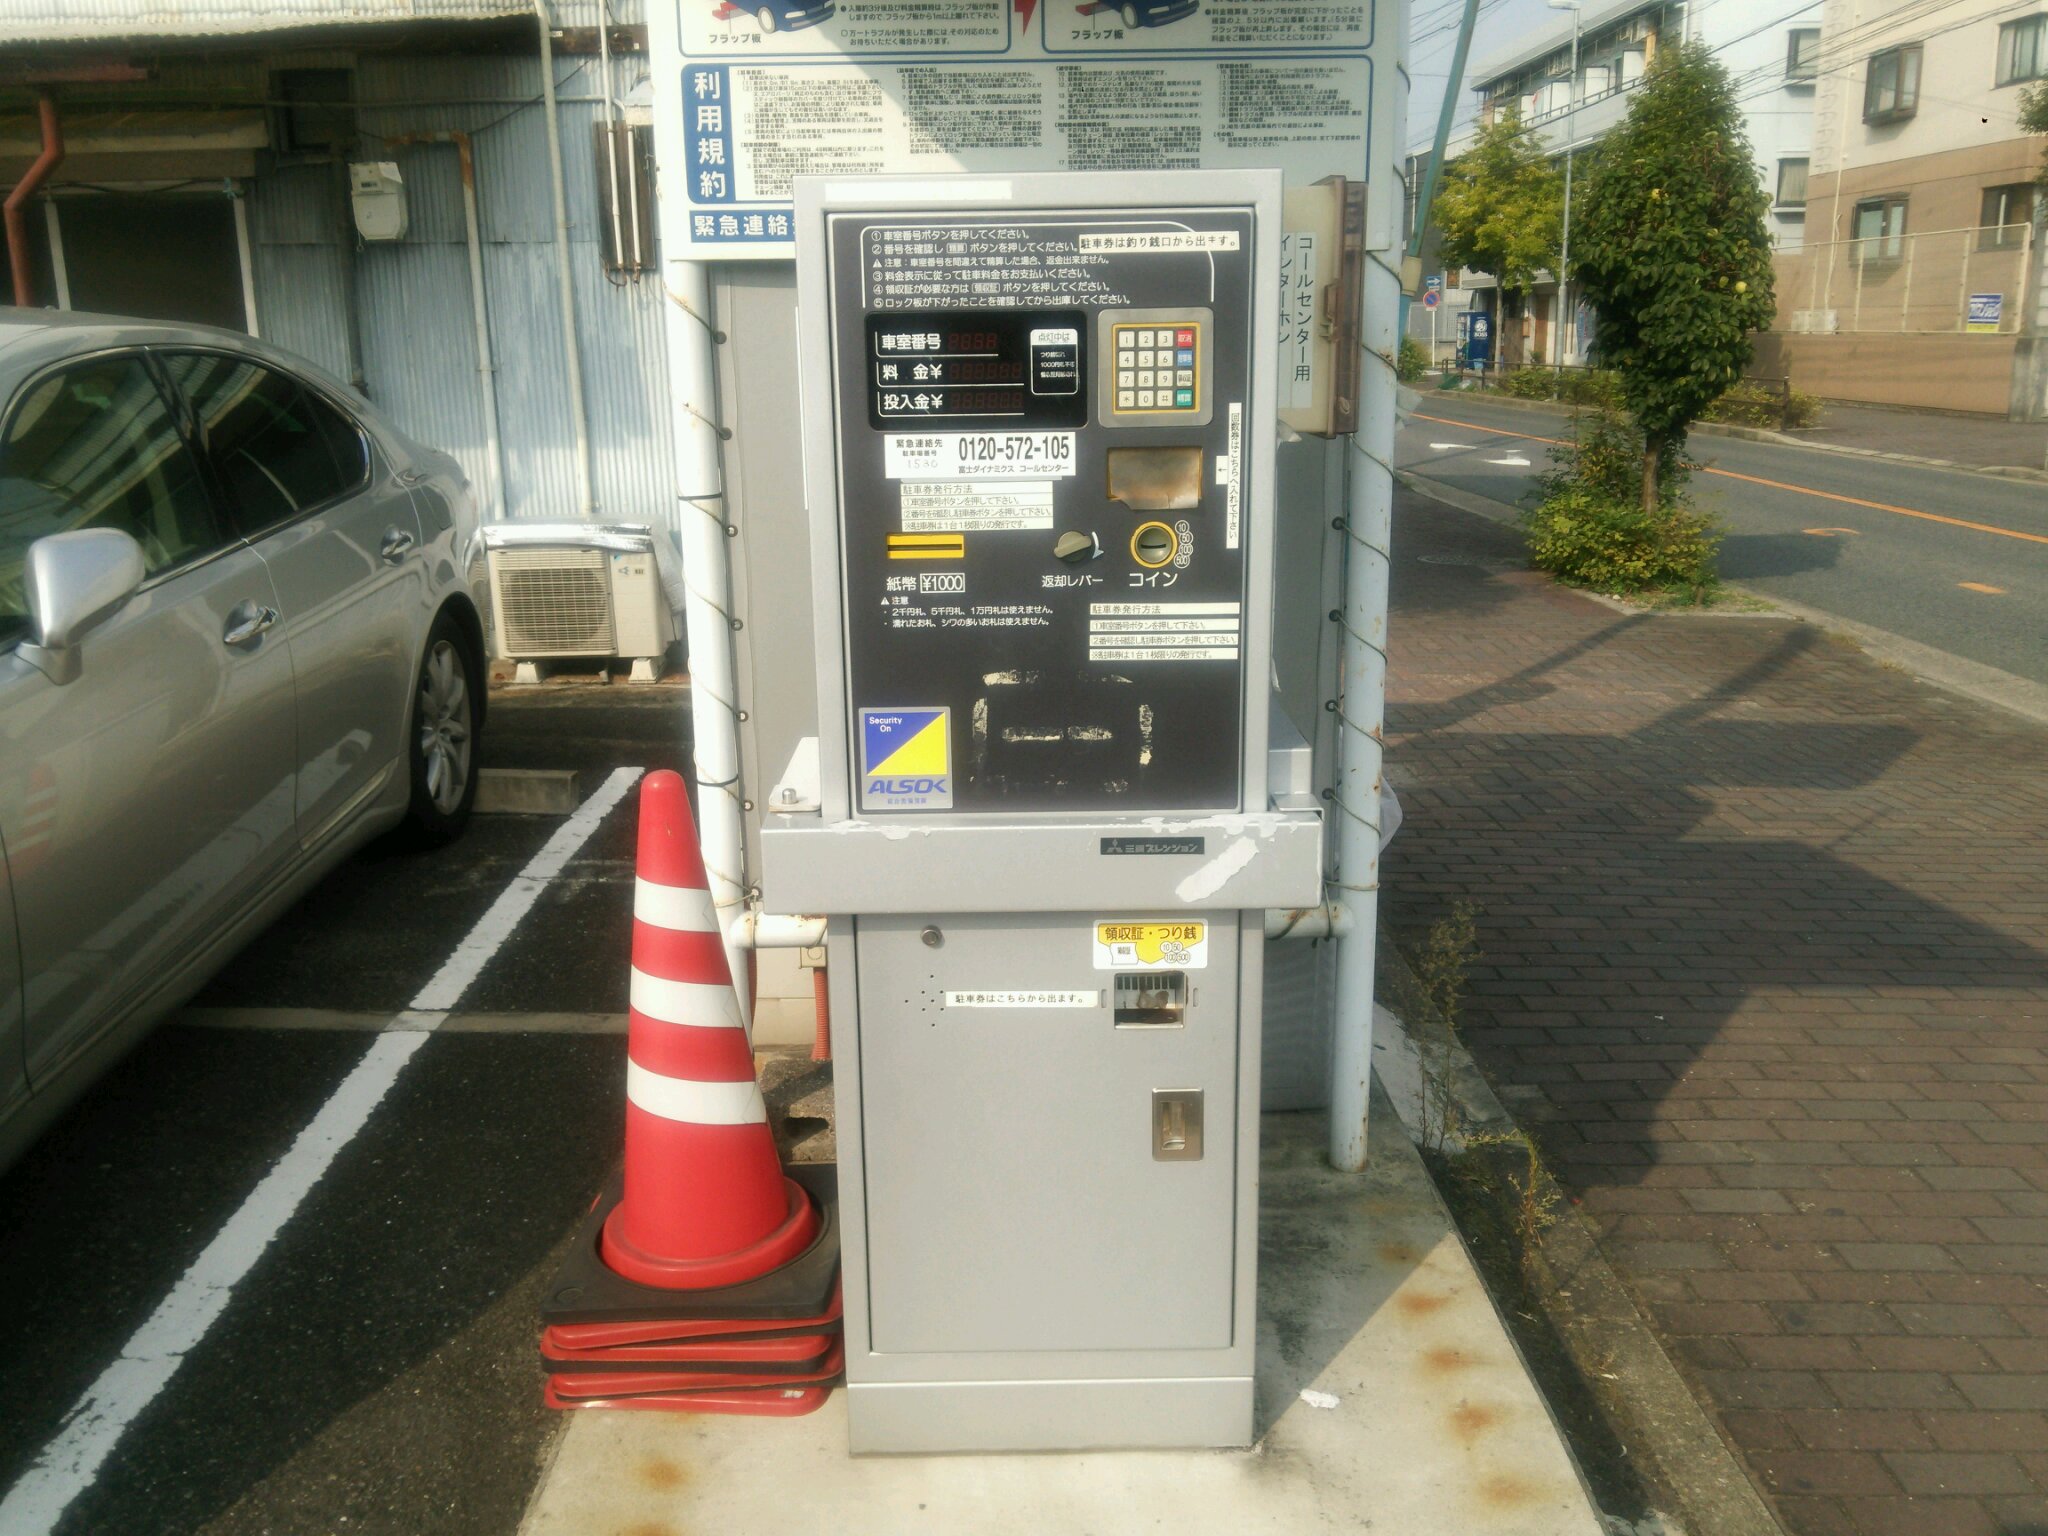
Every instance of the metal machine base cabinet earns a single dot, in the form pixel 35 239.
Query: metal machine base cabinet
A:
pixel 1050 1248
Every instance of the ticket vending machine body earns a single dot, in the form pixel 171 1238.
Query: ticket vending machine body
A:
pixel 1038 430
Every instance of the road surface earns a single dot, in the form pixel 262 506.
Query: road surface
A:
pixel 1948 559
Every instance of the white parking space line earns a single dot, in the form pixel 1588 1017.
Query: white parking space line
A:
pixel 1514 460
pixel 67 1466
pixel 1450 447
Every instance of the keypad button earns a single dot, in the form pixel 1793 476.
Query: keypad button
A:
pixel 1184 397
pixel 1145 377
pixel 1125 399
pixel 1125 340
pixel 1184 358
pixel 1144 399
pixel 1125 378
pixel 1185 337
pixel 1184 376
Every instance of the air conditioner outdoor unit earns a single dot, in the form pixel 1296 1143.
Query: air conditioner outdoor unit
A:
pixel 562 590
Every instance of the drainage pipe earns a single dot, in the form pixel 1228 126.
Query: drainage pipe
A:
pixel 38 172
pixel 486 367
pixel 586 478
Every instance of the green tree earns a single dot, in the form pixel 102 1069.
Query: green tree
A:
pixel 1670 248
pixel 1500 210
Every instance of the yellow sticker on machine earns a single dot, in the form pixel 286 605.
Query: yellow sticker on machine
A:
pixel 1125 946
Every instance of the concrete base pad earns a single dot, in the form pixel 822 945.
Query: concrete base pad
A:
pixel 1419 1415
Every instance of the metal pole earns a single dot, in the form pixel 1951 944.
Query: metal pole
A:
pixel 1906 294
pixel 486 367
pixel 1444 115
pixel 1570 332
pixel 480 319
pixel 1361 707
pixel 60 270
pixel 245 258
pixel 566 281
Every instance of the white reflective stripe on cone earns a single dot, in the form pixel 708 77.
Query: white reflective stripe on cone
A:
pixel 683 908
pixel 676 1098
pixel 702 1004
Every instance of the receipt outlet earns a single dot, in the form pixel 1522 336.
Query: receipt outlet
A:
pixel 1038 452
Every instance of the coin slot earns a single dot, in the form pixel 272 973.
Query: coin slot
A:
pixel 1154 545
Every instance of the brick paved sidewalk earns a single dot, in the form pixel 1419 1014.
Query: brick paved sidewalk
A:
pixel 1765 934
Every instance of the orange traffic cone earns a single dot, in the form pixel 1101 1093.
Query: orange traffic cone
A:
pixel 706 1201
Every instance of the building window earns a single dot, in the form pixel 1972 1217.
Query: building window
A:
pixel 1891 86
pixel 1802 54
pixel 1880 229
pixel 1792 183
pixel 2005 215
pixel 2023 50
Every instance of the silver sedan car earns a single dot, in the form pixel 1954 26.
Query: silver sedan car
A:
pixel 241 634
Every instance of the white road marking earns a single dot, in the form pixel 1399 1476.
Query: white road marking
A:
pixel 1514 459
pixel 68 1465
pixel 1449 447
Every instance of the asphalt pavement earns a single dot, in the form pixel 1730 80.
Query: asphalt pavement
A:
pixel 1948 559
pixel 373 1369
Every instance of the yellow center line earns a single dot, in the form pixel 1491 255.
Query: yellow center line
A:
pixel 1778 485
pixel 1978 586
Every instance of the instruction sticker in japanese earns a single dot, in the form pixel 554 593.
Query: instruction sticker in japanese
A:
pixel 1121 946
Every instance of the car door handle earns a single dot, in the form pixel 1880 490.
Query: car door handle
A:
pixel 241 631
pixel 396 546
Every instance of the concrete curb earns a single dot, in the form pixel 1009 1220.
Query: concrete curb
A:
pixel 1972 680
pixel 1766 435
pixel 1610 1343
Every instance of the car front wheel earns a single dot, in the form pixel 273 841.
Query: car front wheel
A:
pixel 1131 17
pixel 443 740
pixel 766 16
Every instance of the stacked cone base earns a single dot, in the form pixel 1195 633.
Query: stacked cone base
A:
pixel 644 1377
pixel 759 1402
pixel 770 1346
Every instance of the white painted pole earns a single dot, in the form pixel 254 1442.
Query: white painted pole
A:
pixel 1361 706
pixel 60 270
pixel 246 256
pixel 707 582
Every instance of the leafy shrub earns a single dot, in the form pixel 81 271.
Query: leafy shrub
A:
pixel 1590 528
pixel 1759 405
pixel 1591 539
pixel 1572 386
pixel 1413 359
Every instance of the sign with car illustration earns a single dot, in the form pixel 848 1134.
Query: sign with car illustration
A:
pixel 994 86
pixel 776 15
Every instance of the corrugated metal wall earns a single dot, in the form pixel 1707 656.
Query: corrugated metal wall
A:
pixel 412 298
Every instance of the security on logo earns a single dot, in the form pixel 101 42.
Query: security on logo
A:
pixel 906 758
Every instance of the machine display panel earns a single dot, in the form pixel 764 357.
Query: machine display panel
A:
pixel 960 367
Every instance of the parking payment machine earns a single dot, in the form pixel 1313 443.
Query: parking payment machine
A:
pixel 1044 809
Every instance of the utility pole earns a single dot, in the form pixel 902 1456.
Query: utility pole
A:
pixel 1568 330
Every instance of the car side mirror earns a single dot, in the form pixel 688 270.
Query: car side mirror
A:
pixel 74 581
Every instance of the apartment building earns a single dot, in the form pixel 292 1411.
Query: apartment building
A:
pixel 1771 51
pixel 1922 281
